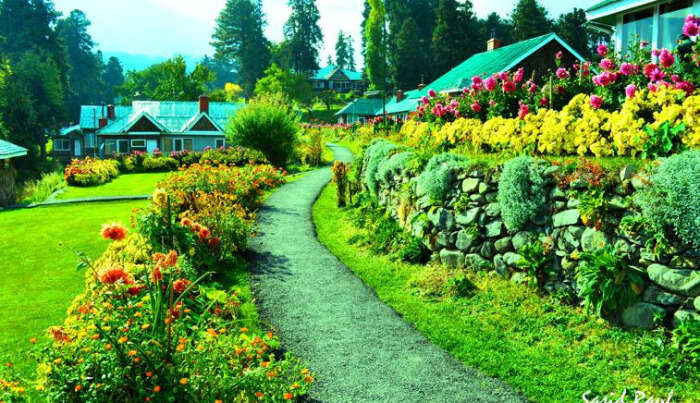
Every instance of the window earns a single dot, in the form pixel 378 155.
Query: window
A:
pixel 90 140
pixel 112 146
pixel 671 18
pixel 138 143
pixel 637 26
pixel 220 143
pixel 61 145
pixel 180 144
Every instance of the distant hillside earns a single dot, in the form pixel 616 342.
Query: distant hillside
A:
pixel 139 62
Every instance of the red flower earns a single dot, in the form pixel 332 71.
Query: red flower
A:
pixel 214 242
pixel 181 285
pixel 156 275
pixel 508 86
pixel 115 274
pixel 204 233
pixel 114 231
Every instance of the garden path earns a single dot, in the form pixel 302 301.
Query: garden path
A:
pixel 358 348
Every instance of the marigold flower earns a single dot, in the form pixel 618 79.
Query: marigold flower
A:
pixel 78 388
pixel 186 222
pixel 288 396
pixel 114 231
pixel 32 340
pixel 108 346
pixel 171 259
pixel 308 378
pixel 149 374
pixel 244 329
pixel 114 275
pixel 258 395
pixel 183 381
pixel 157 389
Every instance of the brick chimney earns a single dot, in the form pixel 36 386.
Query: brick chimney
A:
pixel 110 112
pixel 493 43
pixel 400 96
pixel 102 123
pixel 203 104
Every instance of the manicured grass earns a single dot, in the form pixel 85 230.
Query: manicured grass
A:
pixel 123 185
pixel 39 277
pixel 545 350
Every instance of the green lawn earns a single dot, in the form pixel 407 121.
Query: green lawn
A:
pixel 123 185
pixel 39 277
pixel 544 349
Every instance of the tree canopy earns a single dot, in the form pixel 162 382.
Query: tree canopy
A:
pixel 304 35
pixel 530 20
pixel 167 81
pixel 375 37
pixel 293 86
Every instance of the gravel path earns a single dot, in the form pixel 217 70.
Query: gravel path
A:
pixel 359 349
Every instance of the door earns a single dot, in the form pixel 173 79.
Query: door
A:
pixel 151 146
pixel 77 148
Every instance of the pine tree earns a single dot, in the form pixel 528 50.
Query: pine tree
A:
pixel 304 35
pixel 423 14
pixel 351 53
pixel 239 39
pixel 408 71
pixel 341 51
pixel 530 20
pixel 454 24
pixel 113 77
pixel 365 16
pixel 496 27
pixel 375 53
pixel 570 27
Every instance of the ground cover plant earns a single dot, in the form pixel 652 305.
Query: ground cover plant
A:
pixel 506 330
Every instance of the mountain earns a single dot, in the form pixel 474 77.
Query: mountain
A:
pixel 132 61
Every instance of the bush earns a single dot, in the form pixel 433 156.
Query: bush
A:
pixel 671 203
pixel 437 177
pixel 397 164
pixel 233 156
pixel 91 171
pixel 521 192
pixel 379 151
pixel 265 125
pixel 159 164
pixel 39 190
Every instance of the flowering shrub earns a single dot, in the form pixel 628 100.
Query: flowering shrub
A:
pixel 91 171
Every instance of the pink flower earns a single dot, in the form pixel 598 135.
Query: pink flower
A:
pixel 492 103
pixel 692 18
pixel 607 64
pixel 649 68
pixel 652 87
pixel 643 44
pixel 559 55
pixel 431 93
pixel 666 58
pixel 626 69
pixel 602 50
pixel 685 86
pixel 490 83
pixel 562 73
pixel 560 90
pixel 503 76
pixel 425 100
pixel 544 101
pixel 518 76
pixel 454 104
pixel 508 86
pixel 524 110
pixel 630 90
pixel 675 78
pixel 476 107
pixel 532 88
pixel 657 75
pixel 477 81
pixel 655 52
pixel 596 101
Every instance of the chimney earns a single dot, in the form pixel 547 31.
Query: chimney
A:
pixel 102 123
pixel 110 112
pixel 399 96
pixel 493 43
pixel 203 104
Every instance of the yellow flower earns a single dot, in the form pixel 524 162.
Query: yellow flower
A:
pixel 183 381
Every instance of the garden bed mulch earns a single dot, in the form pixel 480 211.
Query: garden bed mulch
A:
pixel 358 348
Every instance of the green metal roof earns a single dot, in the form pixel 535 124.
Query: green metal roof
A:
pixel 361 107
pixel 9 150
pixel 487 63
pixel 408 104
pixel 602 4
pixel 326 73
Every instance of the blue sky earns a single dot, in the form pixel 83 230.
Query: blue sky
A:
pixel 169 27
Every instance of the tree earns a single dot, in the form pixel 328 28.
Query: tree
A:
pixel 85 77
pixel 496 27
pixel 375 54
pixel 570 27
pixel 341 51
pixel 239 39
pixel 167 81
pixel 293 86
pixel 304 35
pixel 363 25
pixel 113 78
pixel 351 52
pixel 530 20
pixel 224 71
pixel 408 62
pixel 454 23
pixel 329 61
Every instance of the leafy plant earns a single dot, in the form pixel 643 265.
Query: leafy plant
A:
pixel 592 206
pixel 413 250
pixel 459 286
pixel 340 178
pixel 664 140
pixel 379 151
pixel 439 174
pixel 537 260
pixel 606 283
pixel 521 191
pixel 39 190
pixel 678 354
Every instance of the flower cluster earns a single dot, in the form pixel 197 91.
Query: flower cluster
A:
pixel 90 171
pixel 114 231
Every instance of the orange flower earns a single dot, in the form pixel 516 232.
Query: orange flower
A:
pixel 244 329
pixel 212 333
pixel 114 231
pixel 59 335
pixel 183 381
pixel 32 340
pixel 123 339
pixel 156 275
pixel 308 378
pixel 156 389
pixel 78 388
pixel 149 374
pixel 171 259
pixel 186 222
pixel 258 395
pixel 108 346
pixel 204 233
pixel 214 242
pixel 181 285
pixel 114 275
pixel 288 396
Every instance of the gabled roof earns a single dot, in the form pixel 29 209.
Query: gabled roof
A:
pixel 328 71
pixel 408 104
pixel 91 114
pixel 134 119
pixel 68 130
pixel 494 61
pixel 362 107
pixel 172 117
pixel 602 4
pixel 9 150
pixel 195 119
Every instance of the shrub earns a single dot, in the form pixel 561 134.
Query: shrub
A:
pixel 605 282
pixel 265 125
pixel 91 171
pixel 537 260
pixel 379 151
pixel 159 164
pixel 672 202
pixel 521 192
pixel 676 355
pixel 413 250
pixel 395 165
pixel 439 174
pixel 39 190
pixel 233 156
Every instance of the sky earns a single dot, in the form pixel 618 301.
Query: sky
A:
pixel 169 27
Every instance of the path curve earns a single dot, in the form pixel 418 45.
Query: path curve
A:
pixel 359 349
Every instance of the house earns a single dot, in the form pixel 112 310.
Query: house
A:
pixel 8 151
pixel 657 22
pixel 145 126
pixel 536 56
pixel 340 80
pixel 359 110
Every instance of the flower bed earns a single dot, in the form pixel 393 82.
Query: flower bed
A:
pixel 91 171
pixel 154 324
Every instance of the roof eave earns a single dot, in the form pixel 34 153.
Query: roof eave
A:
pixel 616 8
pixel 13 155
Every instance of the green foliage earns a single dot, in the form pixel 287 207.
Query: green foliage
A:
pixel 266 125
pixel 538 261
pixel 413 250
pixel 671 203
pixel 379 151
pixel 459 286
pixel 159 164
pixel 521 191
pixel 677 356
pixel 396 165
pixel 37 191
pixel 663 141
pixel 375 50
pixel 593 206
pixel 344 52
pixel 439 175
pixel 303 35
pixel 91 171
pixel 606 283
pixel 571 28
pixel 530 20
pixel 113 78
pixel 278 81
pixel 454 22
